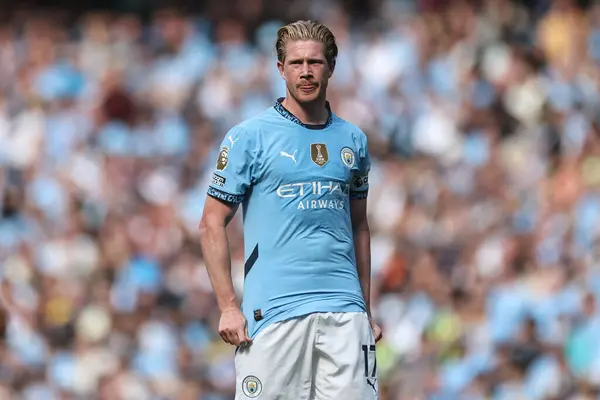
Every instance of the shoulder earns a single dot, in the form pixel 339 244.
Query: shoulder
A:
pixel 250 133
pixel 350 129
pixel 256 124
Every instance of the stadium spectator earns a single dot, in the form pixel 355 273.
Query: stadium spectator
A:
pixel 483 125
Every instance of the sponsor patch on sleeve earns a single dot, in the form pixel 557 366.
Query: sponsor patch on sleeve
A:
pixel 224 196
pixel 223 158
pixel 360 181
pixel 218 180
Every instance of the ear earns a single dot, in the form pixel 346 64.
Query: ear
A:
pixel 280 68
pixel 331 68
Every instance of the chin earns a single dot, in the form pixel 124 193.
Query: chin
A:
pixel 308 97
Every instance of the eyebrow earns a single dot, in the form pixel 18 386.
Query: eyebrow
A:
pixel 299 59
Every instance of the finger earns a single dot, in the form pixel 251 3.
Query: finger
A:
pixel 224 337
pixel 231 337
pixel 242 337
pixel 376 332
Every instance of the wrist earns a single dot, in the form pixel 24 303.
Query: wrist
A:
pixel 229 304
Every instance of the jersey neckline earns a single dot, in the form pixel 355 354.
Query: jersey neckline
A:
pixel 284 112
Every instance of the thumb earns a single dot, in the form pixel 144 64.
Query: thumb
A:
pixel 378 333
pixel 248 339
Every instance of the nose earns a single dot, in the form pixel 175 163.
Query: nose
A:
pixel 305 73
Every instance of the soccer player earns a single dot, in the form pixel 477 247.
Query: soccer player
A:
pixel 304 330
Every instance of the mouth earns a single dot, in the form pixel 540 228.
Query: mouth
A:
pixel 307 88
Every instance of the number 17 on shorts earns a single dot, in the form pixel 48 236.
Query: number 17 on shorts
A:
pixel 370 365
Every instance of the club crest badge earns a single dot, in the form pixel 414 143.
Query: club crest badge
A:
pixel 319 154
pixel 348 157
pixel 223 159
pixel 251 386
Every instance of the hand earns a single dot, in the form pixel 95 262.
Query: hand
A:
pixel 233 327
pixel 377 332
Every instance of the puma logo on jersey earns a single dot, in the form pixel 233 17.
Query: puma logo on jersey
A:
pixel 290 156
pixel 232 141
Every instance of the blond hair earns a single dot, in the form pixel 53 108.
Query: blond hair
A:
pixel 304 31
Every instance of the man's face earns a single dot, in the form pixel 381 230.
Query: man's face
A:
pixel 305 70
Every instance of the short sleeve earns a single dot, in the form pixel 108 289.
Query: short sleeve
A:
pixel 233 173
pixel 359 187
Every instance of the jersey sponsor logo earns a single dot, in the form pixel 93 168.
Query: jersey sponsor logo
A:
pixel 319 153
pixel 218 180
pixel 251 387
pixel 320 204
pixel 315 188
pixel 302 190
pixel 223 159
pixel 348 157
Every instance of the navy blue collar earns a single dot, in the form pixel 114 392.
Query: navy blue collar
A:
pixel 288 115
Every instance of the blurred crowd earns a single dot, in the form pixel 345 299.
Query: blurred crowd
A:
pixel 483 121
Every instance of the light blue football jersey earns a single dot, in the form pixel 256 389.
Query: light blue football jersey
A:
pixel 295 182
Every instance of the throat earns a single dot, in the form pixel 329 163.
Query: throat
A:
pixel 302 116
pixel 314 113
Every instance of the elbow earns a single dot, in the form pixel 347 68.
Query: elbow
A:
pixel 202 227
pixel 214 220
pixel 209 226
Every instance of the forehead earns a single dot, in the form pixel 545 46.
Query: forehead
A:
pixel 304 49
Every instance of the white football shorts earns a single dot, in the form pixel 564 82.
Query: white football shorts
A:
pixel 320 356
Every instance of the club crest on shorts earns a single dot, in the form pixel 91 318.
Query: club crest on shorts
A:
pixel 348 157
pixel 223 158
pixel 251 386
pixel 319 154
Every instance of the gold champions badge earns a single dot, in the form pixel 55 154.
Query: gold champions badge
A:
pixel 319 154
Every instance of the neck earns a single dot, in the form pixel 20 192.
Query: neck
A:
pixel 313 113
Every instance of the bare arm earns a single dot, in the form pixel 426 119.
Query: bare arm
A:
pixel 362 247
pixel 233 326
pixel 215 249
pixel 362 250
